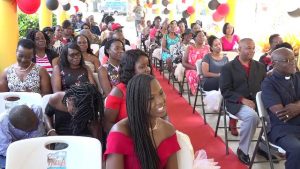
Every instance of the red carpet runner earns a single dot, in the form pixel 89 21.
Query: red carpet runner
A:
pixel 202 136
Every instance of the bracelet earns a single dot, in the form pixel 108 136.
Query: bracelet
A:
pixel 50 131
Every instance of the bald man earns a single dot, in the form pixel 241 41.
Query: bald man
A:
pixel 240 80
pixel 281 97
pixel 20 123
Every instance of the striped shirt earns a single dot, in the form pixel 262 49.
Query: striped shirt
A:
pixel 44 62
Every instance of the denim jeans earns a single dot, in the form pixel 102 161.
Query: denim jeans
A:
pixel 2 162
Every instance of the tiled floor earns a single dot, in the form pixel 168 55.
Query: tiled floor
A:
pixel 212 121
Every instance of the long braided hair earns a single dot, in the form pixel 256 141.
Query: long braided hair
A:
pixel 88 106
pixel 138 109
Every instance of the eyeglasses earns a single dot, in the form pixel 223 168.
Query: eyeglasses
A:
pixel 289 61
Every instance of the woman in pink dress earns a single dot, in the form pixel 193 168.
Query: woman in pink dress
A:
pixel 229 40
pixel 194 52
pixel 143 140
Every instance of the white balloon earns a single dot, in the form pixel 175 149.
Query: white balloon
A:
pixel 83 7
pixel 58 10
pixel 64 2
pixel 170 7
pixel 71 11
pixel 291 5
pixel 155 6
pixel 222 1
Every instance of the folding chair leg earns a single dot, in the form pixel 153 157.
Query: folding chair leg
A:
pixel 195 101
pixel 268 145
pixel 226 134
pixel 188 91
pixel 180 84
pixel 203 109
pixel 256 148
pixel 218 123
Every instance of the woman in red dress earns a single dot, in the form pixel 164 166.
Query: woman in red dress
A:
pixel 143 140
pixel 133 62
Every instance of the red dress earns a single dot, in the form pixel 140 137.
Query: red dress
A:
pixel 118 103
pixel 119 143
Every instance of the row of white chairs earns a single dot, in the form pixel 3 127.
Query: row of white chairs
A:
pixel 81 152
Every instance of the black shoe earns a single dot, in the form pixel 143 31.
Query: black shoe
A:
pixel 265 155
pixel 243 157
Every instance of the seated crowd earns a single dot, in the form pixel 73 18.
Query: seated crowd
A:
pixel 111 93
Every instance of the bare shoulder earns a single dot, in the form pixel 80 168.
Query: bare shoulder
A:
pixel 116 92
pixel 122 127
pixel 166 127
pixel 56 98
pixel 102 70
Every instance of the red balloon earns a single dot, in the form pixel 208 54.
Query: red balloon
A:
pixel 76 8
pixel 223 9
pixel 29 6
pixel 217 17
pixel 190 10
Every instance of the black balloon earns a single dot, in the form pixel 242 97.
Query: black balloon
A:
pixel 185 14
pixel 166 11
pixel 295 13
pixel 213 4
pixel 52 4
pixel 165 3
pixel 67 7
pixel 82 0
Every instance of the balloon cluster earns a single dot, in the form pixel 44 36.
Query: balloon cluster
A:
pixel 222 10
pixel 165 3
pixel 66 5
pixel 188 12
pixel 31 6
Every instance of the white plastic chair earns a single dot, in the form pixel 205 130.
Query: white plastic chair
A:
pixel 230 54
pixel 82 152
pixel 263 115
pixel 45 100
pixel 95 48
pixel 28 98
pixel 185 156
pixel 96 78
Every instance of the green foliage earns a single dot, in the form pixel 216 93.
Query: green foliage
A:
pixel 27 22
pixel 54 20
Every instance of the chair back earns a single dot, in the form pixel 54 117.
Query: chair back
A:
pixel 230 54
pixel 96 78
pixel 95 48
pixel 82 152
pixel 185 156
pixel 199 67
pixel 28 98
pixel 262 112
pixel 45 100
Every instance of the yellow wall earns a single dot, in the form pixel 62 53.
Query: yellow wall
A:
pixel 45 16
pixel 231 15
pixel 9 33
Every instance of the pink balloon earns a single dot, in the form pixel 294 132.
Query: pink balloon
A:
pixel 223 9
pixel 217 17
pixel 190 10
pixel 76 8
pixel 29 6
